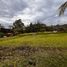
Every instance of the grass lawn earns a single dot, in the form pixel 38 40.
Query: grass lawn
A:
pixel 36 39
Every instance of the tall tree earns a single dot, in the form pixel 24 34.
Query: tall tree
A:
pixel 18 26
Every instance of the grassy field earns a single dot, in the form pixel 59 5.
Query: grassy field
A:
pixel 36 39
pixel 34 50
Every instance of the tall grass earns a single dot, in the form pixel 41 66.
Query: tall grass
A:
pixel 36 39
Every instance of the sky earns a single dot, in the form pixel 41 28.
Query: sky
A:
pixel 45 11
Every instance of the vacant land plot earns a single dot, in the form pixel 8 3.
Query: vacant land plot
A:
pixel 26 56
pixel 34 50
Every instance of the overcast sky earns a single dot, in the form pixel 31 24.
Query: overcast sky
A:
pixel 31 10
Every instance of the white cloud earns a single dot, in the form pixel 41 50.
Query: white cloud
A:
pixel 31 10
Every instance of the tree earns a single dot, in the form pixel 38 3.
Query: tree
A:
pixel 50 28
pixel 36 27
pixel 62 8
pixel 18 26
pixel 39 27
pixel 1 27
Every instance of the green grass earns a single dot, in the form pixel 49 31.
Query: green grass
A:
pixel 36 39
pixel 53 53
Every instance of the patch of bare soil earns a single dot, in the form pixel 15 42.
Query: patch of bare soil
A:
pixel 26 56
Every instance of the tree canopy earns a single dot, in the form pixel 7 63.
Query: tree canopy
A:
pixel 18 26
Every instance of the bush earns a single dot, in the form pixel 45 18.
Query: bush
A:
pixel 1 34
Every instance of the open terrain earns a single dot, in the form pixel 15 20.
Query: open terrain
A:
pixel 34 50
pixel 36 39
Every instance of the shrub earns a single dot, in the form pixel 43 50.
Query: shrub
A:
pixel 1 34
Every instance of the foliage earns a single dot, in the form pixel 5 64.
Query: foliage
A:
pixel 37 27
pixel 1 34
pixel 18 26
